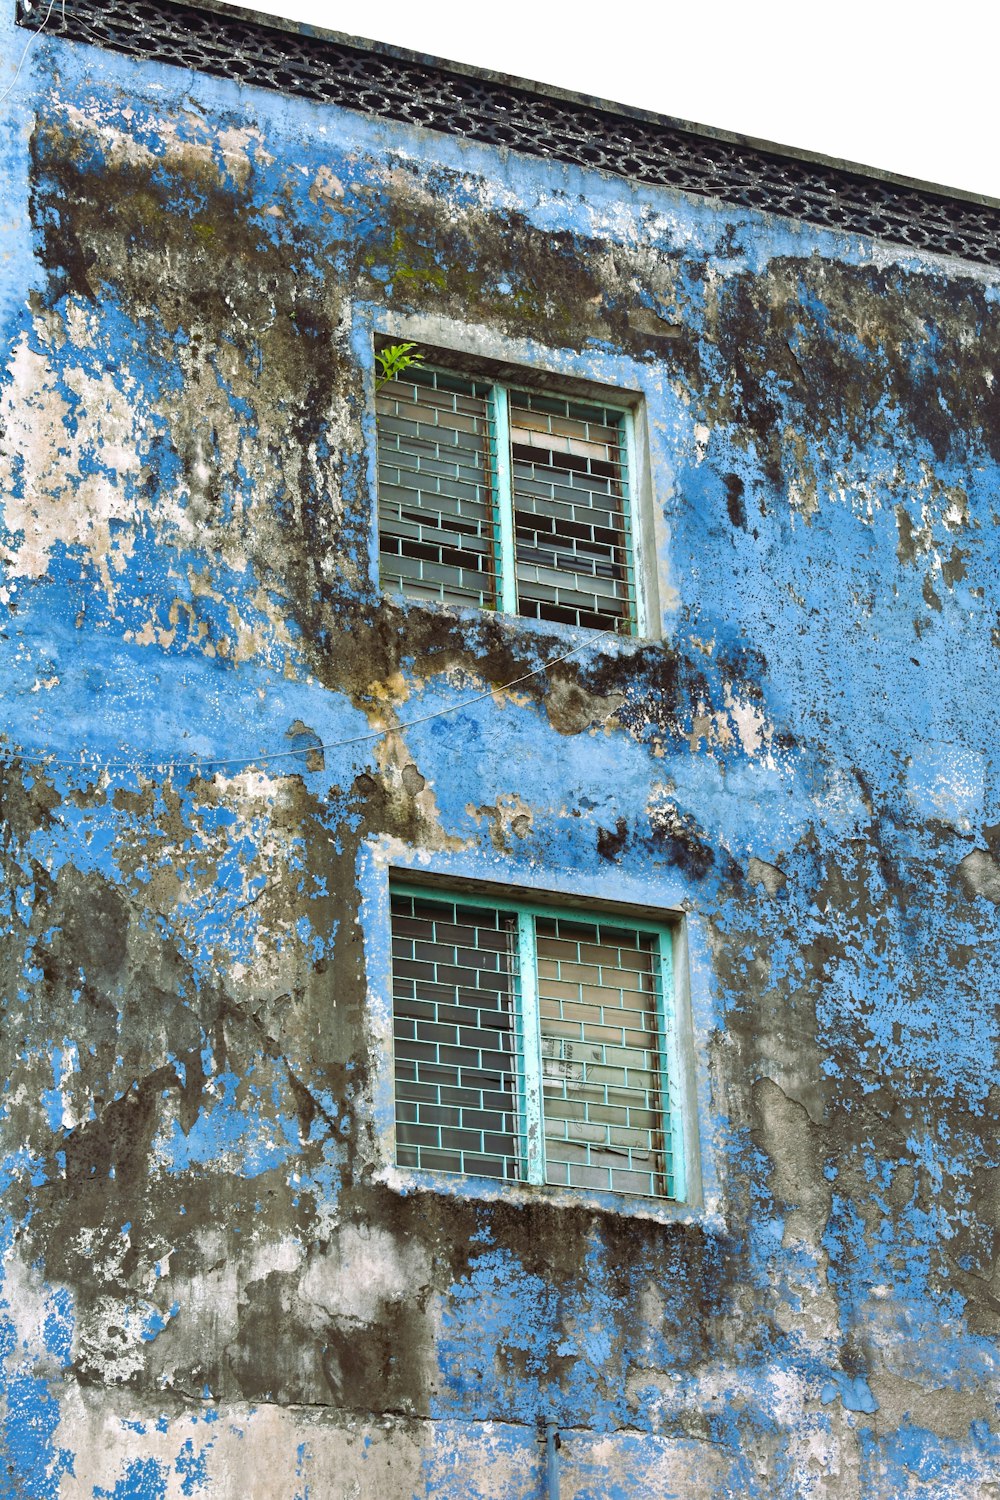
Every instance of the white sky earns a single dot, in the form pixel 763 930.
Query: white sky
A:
pixel 900 86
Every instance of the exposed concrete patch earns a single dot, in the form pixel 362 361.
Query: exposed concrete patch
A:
pixel 979 873
pixel 508 819
pixel 571 709
pixel 771 878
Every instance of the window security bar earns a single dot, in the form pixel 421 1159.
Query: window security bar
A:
pixel 506 499
pixel 532 1045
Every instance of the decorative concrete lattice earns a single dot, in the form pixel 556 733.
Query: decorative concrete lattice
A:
pixel 501 113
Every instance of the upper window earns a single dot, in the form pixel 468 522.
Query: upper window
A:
pixel 532 1044
pixel 508 499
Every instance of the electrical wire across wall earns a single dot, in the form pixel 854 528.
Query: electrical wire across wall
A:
pixel 28 45
pixel 87 760
pixel 78 25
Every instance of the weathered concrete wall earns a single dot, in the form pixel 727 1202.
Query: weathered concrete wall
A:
pixel 211 1284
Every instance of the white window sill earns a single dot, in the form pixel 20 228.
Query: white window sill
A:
pixel 408 1182
pixel 607 640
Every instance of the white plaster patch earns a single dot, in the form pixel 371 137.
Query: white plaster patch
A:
pixel 364 1269
pixel 71 1114
pixel 326 186
pixel 120 147
pixel 789 1392
pixel 46 462
pixel 245 1450
pixel 840 803
pixel 112 1339
pixel 946 781
pixel 751 725
pixel 26 1301
pixel 234 148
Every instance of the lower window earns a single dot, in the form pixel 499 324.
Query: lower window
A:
pixel 531 1044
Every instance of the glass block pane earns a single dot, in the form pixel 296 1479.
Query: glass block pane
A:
pixel 435 497
pixel 455 1041
pixel 571 520
pixel 606 1122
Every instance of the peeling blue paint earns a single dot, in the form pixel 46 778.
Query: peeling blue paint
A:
pixel 32 1461
pixel 144 1479
pixel 192 1466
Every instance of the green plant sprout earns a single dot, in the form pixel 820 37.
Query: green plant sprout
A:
pixel 394 360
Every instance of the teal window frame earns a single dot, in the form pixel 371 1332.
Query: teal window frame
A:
pixel 529 1062
pixel 498 457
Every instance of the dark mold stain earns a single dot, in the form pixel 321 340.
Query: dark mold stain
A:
pixel 734 501
pixel 610 845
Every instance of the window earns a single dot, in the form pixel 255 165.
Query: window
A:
pixel 531 1044
pixel 507 499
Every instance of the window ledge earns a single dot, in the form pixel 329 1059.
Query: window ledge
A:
pixel 470 1189
pixel 468 614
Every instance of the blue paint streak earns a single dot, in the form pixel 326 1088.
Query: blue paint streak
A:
pixel 233 1134
pixel 144 1479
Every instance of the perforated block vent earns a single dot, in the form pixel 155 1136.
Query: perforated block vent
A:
pixel 501 113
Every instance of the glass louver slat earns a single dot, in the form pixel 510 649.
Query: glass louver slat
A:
pixel 436 506
pixel 455 1038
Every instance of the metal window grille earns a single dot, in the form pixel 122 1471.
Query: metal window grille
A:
pixel 454 1038
pixel 511 500
pixel 532 1047
pixel 570 488
pixel 606 1119
pixel 435 488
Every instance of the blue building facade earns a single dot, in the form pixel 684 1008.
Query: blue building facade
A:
pixel 502 859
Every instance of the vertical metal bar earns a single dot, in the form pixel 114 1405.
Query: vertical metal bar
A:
pixel 633 552
pixel 531 1043
pixel 551 1459
pixel 670 1096
pixel 503 500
